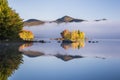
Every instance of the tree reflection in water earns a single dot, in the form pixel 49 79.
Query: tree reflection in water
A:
pixel 10 59
pixel 25 45
pixel 74 45
pixel 33 53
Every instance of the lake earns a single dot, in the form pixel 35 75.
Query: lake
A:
pixel 97 58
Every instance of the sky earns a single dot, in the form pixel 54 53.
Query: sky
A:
pixel 52 9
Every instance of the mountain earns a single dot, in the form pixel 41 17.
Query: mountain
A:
pixel 68 19
pixel 33 22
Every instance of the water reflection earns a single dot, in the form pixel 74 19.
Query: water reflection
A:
pixel 75 45
pixel 62 56
pixel 103 49
pixel 29 53
pixel 25 45
pixel 68 57
pixel 10 59
pixel 78 61
pixel 64 51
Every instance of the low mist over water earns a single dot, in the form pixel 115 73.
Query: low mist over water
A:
pixel 95 30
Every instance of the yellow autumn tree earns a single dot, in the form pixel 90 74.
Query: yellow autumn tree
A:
pixel 75 35
pixel 26 35
pixel 66 34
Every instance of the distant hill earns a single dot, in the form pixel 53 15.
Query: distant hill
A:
pixel 68 19
pixel 33 22
pixel 101 19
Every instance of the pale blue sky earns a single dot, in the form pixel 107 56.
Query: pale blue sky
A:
pixel 53 9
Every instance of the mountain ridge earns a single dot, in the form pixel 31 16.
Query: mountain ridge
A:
pixel 68 19
pixel 64 19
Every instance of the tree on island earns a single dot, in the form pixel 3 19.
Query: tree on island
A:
pixel 10 22
pixel 75 35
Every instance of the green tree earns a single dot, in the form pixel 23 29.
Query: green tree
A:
pixel 10 22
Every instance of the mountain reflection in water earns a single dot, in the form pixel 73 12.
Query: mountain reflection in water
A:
pixel 64 57
pixel 63 51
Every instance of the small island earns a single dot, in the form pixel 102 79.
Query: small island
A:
pixel 74 36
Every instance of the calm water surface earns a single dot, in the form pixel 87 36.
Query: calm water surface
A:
pixel 58 61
